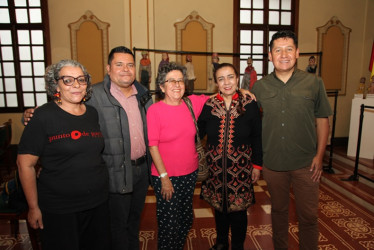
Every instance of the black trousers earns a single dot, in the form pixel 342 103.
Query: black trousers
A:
pixel 238 223
pixel 84 230
pixel 126 210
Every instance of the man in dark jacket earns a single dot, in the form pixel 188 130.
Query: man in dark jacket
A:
pixel 121 103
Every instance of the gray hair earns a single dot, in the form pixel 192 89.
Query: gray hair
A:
pixel 161 76
pixel 52 73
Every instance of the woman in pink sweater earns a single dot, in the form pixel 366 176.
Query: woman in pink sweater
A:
pixel 171 134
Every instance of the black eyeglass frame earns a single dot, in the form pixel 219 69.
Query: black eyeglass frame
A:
pixel 86 80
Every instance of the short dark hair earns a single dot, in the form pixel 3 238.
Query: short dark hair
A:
pixel 119 49
pixel 161 76
pixel 222 65
pixel 284 34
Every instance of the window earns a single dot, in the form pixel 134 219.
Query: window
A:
pixel 255 21
pixel 24 50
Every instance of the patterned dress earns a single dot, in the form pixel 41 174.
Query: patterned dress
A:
pixel 233 148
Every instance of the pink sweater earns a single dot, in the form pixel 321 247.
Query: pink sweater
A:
pixel 172 129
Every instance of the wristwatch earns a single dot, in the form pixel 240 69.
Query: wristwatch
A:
pixel 163 175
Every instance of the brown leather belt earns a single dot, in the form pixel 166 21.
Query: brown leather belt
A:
pixel 138 161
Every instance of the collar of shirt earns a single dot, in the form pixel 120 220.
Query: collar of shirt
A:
pixel 135 123
pixel 234 97
pixel 114 88
pixel 293 73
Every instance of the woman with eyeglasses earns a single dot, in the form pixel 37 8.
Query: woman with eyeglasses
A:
pixel 171 135
pixel 68 201
pixel 232 125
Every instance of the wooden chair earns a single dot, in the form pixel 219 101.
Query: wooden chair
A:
pixel 13 208
pixel 14 218
pixel 12 215
pixel 5 140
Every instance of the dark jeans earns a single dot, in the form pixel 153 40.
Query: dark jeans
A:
pixel 306 198
pixel 126 210
pixel 84 230
pixel 238 223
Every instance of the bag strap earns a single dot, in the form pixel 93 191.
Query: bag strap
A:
pixel 189 105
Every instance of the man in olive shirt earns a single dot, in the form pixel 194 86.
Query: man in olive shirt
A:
pixel 295 130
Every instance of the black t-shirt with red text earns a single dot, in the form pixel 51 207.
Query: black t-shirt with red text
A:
pixel 74 176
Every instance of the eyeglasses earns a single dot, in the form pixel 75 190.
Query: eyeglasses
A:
pixel 69 80
pixel 174 82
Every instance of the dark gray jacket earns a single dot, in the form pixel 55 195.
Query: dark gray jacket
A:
pixel 115 129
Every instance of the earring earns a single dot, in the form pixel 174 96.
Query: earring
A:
pixel 58 97
pixel 84 98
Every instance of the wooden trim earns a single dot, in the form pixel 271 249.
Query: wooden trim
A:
pixel 147 24
pixel 345 31
pixel 236 33
pixel 47 44
pixel 180 26
pixel 130 26
pixel 13 26
pixel 295 12
pixel 237 27
pixel 103 26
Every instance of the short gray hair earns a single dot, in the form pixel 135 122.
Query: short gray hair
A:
pixel 161 76
pixel 52 74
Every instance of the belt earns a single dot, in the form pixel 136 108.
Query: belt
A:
pixel 138 161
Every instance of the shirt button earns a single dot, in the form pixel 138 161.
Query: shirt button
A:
pixel 282 137
pixel 282 111
pixel 282 124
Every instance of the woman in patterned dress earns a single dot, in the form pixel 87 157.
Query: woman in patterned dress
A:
pixel 232 124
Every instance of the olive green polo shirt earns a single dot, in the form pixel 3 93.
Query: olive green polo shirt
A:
pixel 289 135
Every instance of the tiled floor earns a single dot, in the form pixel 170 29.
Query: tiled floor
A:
pixel 346 215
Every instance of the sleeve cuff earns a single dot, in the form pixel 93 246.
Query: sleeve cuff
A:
pixel 257 167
